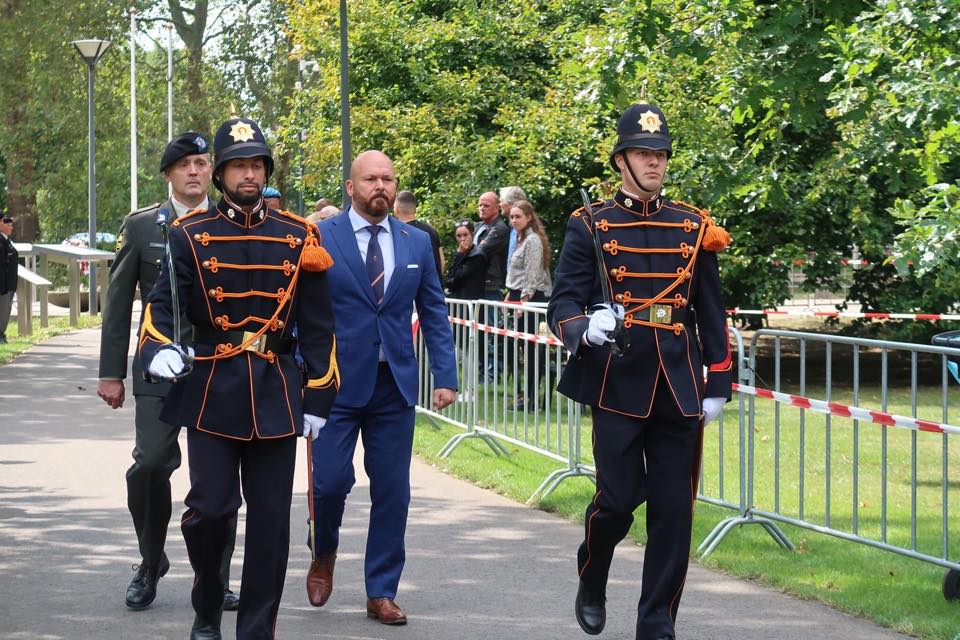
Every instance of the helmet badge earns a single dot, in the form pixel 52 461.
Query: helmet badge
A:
pixel 650 122
pixel 241 132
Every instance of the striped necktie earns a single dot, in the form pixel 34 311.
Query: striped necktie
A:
pixel 375 262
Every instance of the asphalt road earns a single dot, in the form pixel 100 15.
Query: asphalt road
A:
pixel 478 565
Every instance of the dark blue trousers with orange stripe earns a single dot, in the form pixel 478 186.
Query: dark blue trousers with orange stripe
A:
pixel 266 467
pixel 654 459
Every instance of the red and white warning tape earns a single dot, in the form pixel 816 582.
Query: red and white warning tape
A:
pixel 520 335
pixel 844 411
pixel 811 313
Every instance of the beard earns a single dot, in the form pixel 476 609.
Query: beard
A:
pixel 377 205
pixel 243 199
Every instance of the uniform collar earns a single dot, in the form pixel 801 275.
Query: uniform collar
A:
pixel 636 205
pixel 358 222
pixel 238 216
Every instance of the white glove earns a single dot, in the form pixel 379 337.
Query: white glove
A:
pixel 602 320
pixel 169 362
pixel 712 408
pixel 312 425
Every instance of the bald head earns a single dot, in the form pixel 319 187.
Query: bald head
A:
pixel 328 212
pixel 372 185
pixel 489 206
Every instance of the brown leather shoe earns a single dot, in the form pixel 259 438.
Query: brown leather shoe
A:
pixel 320 579
pixel 386 611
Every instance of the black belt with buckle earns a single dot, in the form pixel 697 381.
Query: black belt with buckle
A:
pixel 664 314
pixel 267 342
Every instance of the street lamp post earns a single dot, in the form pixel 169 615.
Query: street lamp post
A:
pixel 303 68
pixel 344 103
pixel 91 51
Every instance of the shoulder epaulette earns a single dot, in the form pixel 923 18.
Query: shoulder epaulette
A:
pixel 716 238
pixel 703 213
pixel 188 214
pixel 149 207
pixel 582 211
pixel 292 216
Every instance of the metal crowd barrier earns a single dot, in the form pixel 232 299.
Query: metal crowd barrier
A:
pixel 825 448
pixel 854 443
pixel 509 364
pixel 718 486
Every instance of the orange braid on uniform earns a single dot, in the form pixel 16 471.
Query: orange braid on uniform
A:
pixel 312 258
pixel 716 239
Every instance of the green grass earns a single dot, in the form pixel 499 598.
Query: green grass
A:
pixel 895 591
pixel 17 344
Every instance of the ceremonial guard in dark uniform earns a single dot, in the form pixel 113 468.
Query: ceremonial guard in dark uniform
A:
pixel 156 454
pixel 638 361
pixel 245 275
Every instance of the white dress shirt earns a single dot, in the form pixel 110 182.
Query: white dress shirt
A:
pixel 383 239
pixel 386 249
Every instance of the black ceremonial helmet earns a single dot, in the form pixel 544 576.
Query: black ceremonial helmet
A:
pixel 642 126
pixel 239 138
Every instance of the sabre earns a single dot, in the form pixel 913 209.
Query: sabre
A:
pixel 174 295
pixel 621 339
pixel 311 527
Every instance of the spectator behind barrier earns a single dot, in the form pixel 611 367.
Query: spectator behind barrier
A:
pixel 508 197
pixel 528 280
pixel 467 272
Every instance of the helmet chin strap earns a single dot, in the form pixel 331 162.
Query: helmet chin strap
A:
pixel 633 176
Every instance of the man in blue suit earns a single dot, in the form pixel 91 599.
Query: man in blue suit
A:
pixel 382 268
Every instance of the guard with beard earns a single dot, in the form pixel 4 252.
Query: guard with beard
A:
pixel 649 401
pixel 244 275
pixel 185 164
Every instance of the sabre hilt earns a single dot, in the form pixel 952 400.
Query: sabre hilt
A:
pixel 619 336
pixel 174 296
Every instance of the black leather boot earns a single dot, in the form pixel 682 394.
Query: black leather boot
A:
pixel 142 590
pixel 591 609
pixel 206 628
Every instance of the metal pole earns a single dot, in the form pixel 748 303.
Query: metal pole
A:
pixel 133 109
pixel 344 103
pixel 303 138
pixel 169 93
pixel 91 190
pixel 301 64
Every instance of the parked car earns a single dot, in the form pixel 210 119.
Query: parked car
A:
pixel 81 239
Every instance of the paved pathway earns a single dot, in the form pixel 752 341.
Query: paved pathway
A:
pixel 478 565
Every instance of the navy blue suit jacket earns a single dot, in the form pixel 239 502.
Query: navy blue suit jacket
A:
pixel 363 326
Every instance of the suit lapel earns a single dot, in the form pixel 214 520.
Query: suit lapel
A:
pixel 346 239
pixel 401 257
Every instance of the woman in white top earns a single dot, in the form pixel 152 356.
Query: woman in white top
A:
pixel 528 280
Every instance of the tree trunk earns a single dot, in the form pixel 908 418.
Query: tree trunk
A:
pixel 18 153
pixel 192 34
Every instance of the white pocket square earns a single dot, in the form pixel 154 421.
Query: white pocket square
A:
pixel 413 266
